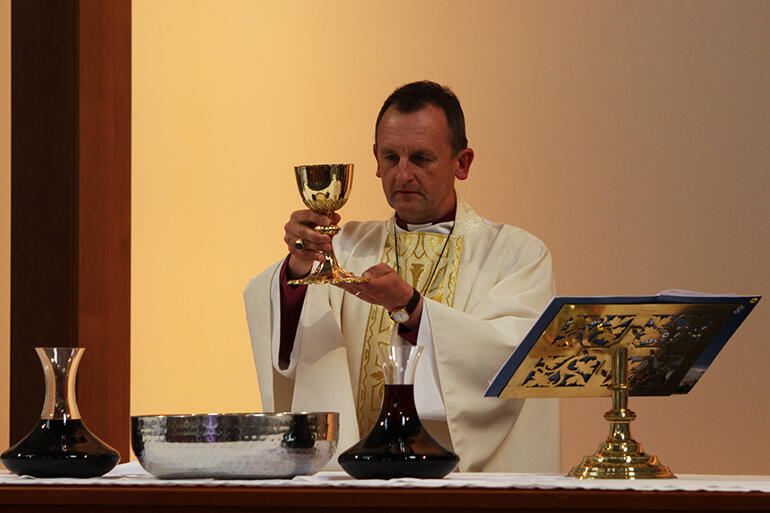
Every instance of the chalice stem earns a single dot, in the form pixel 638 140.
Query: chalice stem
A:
pixel 329 265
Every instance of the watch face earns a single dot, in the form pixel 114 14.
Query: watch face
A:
pixel 399 315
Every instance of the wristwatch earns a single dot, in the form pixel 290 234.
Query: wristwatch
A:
pixel 402 313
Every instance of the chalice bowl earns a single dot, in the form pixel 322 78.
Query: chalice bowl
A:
pixel 324 189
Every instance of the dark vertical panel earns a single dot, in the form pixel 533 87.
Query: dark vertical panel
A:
pixel 43 196
pixel 70 214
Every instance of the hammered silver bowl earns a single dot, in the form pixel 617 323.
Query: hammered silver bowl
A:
pixel 235 445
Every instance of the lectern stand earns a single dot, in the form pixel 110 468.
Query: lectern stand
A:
pixel 620 346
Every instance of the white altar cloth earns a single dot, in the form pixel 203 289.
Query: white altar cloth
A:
pixel 132 474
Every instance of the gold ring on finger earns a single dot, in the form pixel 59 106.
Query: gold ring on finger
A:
pixel 299 244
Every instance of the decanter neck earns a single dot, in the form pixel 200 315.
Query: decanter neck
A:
pixel 60 366
pixel 399 362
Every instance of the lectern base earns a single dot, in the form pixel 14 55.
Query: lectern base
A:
pixel 620 456
pixel 613 462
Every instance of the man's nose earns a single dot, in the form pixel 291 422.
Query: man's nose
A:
pixel 403 171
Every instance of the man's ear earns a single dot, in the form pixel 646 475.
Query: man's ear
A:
pixel 464 160
pixel 374 150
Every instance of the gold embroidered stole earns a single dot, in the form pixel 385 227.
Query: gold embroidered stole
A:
pixel 418 252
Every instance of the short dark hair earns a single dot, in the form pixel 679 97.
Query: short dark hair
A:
pixel 417 95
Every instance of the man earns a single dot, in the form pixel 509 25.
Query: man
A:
pixel 464 288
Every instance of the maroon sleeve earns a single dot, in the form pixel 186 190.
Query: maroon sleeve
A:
pixel 292 297
pixel 409 335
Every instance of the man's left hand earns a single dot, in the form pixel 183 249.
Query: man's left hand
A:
pixel 385 287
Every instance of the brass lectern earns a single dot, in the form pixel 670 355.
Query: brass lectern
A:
pixel 620 346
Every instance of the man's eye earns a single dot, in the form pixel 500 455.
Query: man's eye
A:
pixel 391 158
pixel 420 159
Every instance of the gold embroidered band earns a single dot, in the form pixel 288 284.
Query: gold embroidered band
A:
pixel 418 253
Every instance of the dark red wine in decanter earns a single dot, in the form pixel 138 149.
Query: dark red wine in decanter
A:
pixel 398 445
pixel 60 445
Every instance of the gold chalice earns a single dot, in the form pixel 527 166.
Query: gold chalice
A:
pixel 325 188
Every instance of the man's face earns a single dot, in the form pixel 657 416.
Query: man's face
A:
pixel 416 165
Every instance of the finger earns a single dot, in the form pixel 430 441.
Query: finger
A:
pixel 377 271
pixel 348 287
pixel 294 231
pixel 310 218
pixel 357 290
pixel 305 219
pixel 353 288
pixel 311 239
pixel 309 253
pixel 318 240
pixel 292 241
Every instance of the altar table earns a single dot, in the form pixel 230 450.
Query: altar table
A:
pixel 124 492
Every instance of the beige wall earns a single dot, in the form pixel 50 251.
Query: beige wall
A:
pixel 631 136
pixel 5 219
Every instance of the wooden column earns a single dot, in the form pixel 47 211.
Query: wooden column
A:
pixel 70 212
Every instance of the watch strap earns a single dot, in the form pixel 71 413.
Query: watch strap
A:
pixel 413 302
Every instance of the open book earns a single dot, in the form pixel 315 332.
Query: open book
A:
pixel 671 338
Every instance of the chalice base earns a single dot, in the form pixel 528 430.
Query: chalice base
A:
pixel 621 461
pixel 332 276
pixel 329 272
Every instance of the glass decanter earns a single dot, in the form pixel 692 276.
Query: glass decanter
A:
pixel 60 445
pixel 398 445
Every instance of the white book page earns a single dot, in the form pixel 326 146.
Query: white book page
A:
pixel 691 293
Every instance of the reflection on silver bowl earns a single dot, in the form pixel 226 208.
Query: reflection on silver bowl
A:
pixel 234 446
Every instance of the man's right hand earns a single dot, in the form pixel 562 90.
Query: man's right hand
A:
pixel 300 226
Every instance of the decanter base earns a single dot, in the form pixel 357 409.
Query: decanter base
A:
pixel 398 465
pixel 58 448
